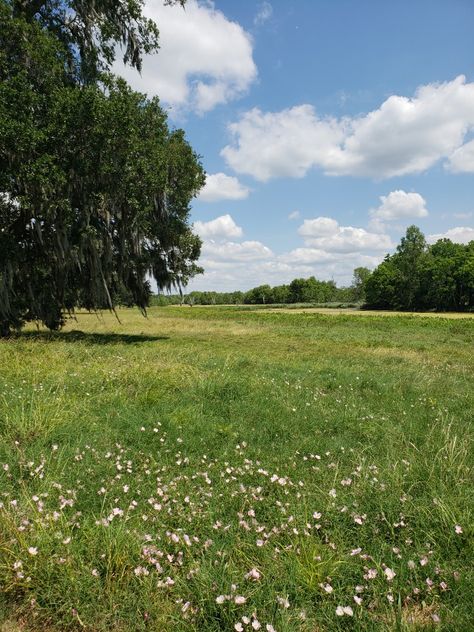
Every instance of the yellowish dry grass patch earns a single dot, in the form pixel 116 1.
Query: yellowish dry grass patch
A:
pixel 348 311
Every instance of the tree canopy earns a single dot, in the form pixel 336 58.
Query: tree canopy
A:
pixel 94 185
pixel 91 30
pixel 419 276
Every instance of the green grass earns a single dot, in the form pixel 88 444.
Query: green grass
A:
pixel 153 464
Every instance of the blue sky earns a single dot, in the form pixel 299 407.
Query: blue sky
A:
pixel 326 127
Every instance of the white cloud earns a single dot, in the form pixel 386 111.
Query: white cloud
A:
pixel 294 215
pixel 230 251
pixel 233 270
pixel 280 144
pixel 397 205
pixel 327 265
pixel 204 58
pixel 404 135
pixel 325 234
pixel 329 251
pixel 219 186
pixel 222 227
pixel 264 13
pixel 459 234
pixel 307 256
pixel 320 227
pixel 462 159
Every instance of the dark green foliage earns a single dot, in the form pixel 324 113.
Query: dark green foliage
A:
pixel 281 294
pixel 94 186
pixel 298 291
pixel 382 288
pixel 89 31
pixel 421 277
pixel 361 276
pixel 261 295
pixel 311 291
pixel 449 278
pixel 214 298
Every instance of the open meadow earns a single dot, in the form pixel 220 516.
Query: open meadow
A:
pixel 231 469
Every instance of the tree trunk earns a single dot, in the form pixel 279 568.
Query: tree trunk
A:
pixel 4 329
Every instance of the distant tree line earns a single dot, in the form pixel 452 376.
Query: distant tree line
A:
pixel 309 290
pixel 417 277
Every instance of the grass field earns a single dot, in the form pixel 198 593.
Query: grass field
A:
pixel 222 469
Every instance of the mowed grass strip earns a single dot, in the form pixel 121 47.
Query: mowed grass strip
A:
pixel 224 469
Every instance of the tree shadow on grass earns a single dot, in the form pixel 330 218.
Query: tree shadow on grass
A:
pixel 89 338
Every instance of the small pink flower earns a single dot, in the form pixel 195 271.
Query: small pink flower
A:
pixel 344 610
pixel 458 529
pixel 389 574
pixel 253 574
pixel 359 519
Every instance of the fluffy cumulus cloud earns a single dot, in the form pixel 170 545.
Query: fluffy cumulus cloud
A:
pixel 219 186
pixel 397 205
pixel 459 234
pixel 281 144
pixel 204 58
pixel 222 227
pixel 462 159
pixel 325 234
pixel 404 135
pixel 231 252
pixel 329 251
